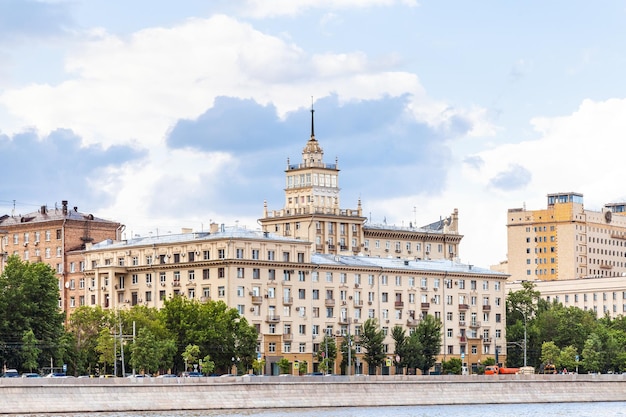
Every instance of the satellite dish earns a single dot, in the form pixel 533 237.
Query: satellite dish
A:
pixel 67 285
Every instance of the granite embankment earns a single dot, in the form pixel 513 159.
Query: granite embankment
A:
pixel 51 395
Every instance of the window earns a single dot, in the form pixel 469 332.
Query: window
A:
pixel 271 255
pixel 221 291
pixel 221 253
pixel 239 253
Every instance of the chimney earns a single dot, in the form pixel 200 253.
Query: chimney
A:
pixel 44 210
pixel 64 203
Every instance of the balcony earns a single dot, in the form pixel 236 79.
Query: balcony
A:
pixel 399 303
pixel 329 302
pixel 287 301
pixel 463 307
pixel 474 324
pixel 462 324
pixel 411 322
pixel 462 339
pixel 257 299
pixel 358 303
pixel 425 306
pixel 344 320
pixel 486 340
pixel 272 319
pixel 287 337
pixel 486 307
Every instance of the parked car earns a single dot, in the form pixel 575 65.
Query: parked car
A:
pixel 11 373
pixel 167 376
pixel 30 375
pixel 56 375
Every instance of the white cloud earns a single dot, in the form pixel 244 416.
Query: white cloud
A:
pixel 264 9
pixel 133 89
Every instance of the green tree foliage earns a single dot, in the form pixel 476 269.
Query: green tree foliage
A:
pixel 567 358
pixel 191 354
pixel 29 301
pixel 398 334
pixel 454 366
pixel 106 348
pixel 371 340
pixel 30 351
pixel 85 325
pixel 284 365
pixel 550 353
pixel 521 307
pixel 328 350
pixel 218 330
pixel 429 334
pixel 146 352
pixel 258 365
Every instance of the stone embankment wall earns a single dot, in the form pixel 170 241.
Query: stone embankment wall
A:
pixel 52 395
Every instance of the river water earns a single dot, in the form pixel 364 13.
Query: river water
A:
pixel 599 409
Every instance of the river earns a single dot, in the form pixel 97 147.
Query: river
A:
pixel 604 409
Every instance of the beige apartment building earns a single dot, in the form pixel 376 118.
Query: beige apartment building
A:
pixel 573 255
pixel 313 269
pixel 56 237
pixel 566 241
pixel 293 296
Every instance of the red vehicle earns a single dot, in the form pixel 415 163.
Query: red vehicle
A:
pixel 496 370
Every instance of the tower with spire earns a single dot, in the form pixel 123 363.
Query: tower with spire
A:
pixel 312 209
pixel 312 212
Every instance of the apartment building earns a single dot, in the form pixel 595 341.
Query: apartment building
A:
pixel 56 237
pixel 294 296
pixel 566 241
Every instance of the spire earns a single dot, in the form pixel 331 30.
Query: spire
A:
pixel 312 120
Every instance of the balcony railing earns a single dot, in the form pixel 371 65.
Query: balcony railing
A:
pixel 425 306
pixel 411 322
pixel 272 319
pixel 329 302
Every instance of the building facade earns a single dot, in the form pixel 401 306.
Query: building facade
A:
pixel 294 296
pixel 56 237
pixel 566 241
pixel 602 295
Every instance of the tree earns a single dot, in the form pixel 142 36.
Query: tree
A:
pixel 371 340
pixel 207 365
pixel 191 355
pixel 106 348
pixel 398 334
pixel 303 367
pixel 29 301
pixel 327 351
pixel 284 365
pixel 218 330
pixel 521 307
pixel 429 334
pixel 30 351
pixel 145 352
pixel 550 353
pixel 85 325
pixel 593 357
pixel 567 358
pixel 258 366
pixel 454 366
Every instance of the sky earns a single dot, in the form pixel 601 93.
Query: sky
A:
pixel 166 115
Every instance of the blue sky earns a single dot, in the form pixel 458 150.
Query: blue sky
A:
pixel 164 115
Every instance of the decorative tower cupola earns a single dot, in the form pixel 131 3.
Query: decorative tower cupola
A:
pixel 312 154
